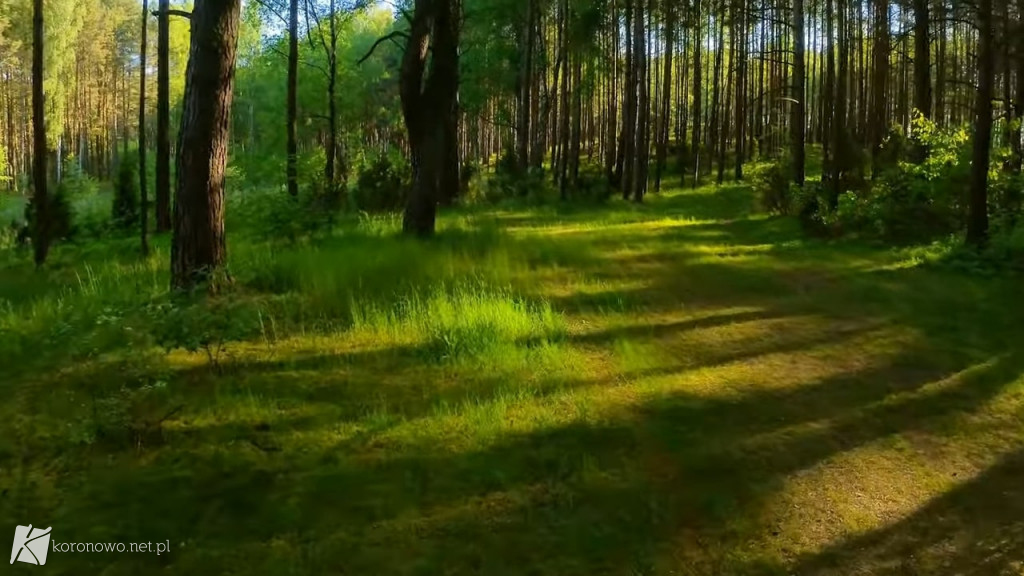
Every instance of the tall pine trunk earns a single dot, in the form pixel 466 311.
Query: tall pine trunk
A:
pixel 922 69
pixel 292 170
pixel 330 163
pixel 143 177
pixel 798 120
pixel 698 92
pixel 880 46
pixel 198 248
pixel 41 234
pixel 977 219
pixel 664 112
pixel 163 119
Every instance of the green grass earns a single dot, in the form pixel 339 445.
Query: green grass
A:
pixel 682 387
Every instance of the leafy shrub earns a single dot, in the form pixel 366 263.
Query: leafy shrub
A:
pixel 125 208
pixel 132 415
pixel 60 216
pixel 319 197
pixel 592 186
pixel 9 235
pixel 5 177
pixel 775 187
pixel 912 202
pixel 467 173
pixel 77 182
pixel 203 325
pixel 382 186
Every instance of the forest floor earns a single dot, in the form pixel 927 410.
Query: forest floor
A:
pixel 683 387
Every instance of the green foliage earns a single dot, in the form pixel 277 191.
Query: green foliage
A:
pixel 9 235
pixel 125 209
pixel 5 177
pixel 77 183
pixel 204 325
pixel 273 214
pixel 592 186
pixel 60 216
pixel 382 186
pixel 131 416
pixel 775 187
pixel 509 183
pixel 913 202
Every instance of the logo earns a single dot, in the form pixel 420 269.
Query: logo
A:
pixel 30 545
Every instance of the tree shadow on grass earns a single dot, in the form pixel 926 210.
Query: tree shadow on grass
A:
pixel 603 496
pixel 975 529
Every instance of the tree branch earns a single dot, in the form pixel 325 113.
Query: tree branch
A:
pixel 381 40
pixel 172 12
pixel 273 10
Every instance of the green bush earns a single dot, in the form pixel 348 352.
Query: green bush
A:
pixel 60 217
pixel 775 187
pixel 203 325
pixel 274 214
pixel 382 186
pixel 77 182
pixel 592 185
pixel 914 202
pixel 125 208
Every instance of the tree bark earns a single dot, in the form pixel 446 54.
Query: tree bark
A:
pixel 922 69
pixel 198 248
pixel 525 73
pixel 143 180
pixel 41 234
pixel 292 170
pixel 977 219
pixel 428 107
pixel 877 124
pixel 664 112
pixel 330 172
pixel 798 120
pixel 163 120
pixel 698 91
pixel 741 89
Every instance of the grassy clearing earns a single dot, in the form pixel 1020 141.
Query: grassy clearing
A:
pixel 684 387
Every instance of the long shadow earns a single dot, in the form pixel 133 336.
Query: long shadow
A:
pixel 975 529
pixel 581 498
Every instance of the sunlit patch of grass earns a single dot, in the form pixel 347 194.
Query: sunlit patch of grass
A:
pixel 462 322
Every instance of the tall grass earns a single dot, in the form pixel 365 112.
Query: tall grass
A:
pixel 464 322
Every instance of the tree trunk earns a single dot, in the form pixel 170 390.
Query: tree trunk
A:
pixel 741 89
pixel 428 106
pixel 922 69
pixel 198 248
pixel 143 179
pixel 1018 150
pixel 797 122
pixel 163 120
pixel 977 220
pixel 642 105
pixel 292 170
pixel 330 175
pixel 41 233
pixel 628 140
pixel 525 73
pixel 664 112
pixel 698 92
pixel 877 124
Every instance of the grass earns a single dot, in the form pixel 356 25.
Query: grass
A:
pixel 683 387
